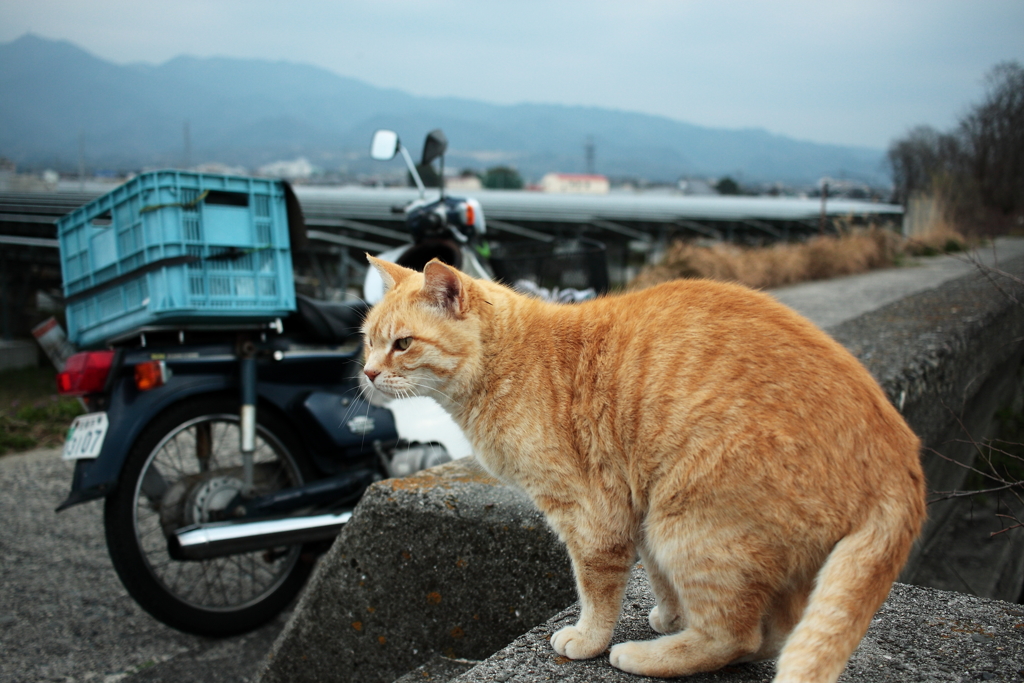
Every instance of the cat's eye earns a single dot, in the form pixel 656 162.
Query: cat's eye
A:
pixel 403 343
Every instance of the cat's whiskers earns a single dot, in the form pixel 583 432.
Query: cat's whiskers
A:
pixel 367 416
pixel 363 392
pixel 430 388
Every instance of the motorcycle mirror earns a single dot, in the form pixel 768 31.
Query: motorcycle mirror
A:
pixel 384 146
pixel 434 146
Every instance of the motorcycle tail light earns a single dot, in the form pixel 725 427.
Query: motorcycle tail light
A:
pixel 470 215
pixel 150 375
pixel 85 373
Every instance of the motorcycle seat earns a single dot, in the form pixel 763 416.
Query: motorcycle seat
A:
pixel 326 322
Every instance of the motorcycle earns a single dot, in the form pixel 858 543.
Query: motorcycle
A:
pixel 214 514
pixel 231 455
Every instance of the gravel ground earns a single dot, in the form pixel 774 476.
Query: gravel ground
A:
pixel 64 616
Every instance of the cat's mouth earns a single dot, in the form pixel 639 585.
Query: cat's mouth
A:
pixel 375 395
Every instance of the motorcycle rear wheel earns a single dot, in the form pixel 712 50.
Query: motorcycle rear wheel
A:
pixel 182 463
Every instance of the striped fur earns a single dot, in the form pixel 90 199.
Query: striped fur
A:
pixel 752 464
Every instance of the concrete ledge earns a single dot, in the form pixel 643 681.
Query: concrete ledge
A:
pixel 919 634
pixel 445 562
pixel 451 563
pixel 950 358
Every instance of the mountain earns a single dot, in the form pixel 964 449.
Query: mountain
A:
pixel 54 96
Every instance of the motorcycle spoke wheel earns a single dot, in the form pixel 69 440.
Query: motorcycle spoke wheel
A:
pixel 186 468
pixel 229 582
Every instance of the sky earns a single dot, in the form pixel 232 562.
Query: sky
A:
pixel 853 73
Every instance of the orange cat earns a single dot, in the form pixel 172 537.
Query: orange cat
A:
pixel 756 468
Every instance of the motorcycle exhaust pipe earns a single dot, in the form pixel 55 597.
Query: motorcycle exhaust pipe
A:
pixel 217 539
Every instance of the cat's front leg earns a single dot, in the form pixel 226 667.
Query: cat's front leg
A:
pixel 602 572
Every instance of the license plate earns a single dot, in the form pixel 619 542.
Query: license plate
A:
pixel 85 436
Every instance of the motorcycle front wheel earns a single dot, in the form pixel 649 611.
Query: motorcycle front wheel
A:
pixel 185 467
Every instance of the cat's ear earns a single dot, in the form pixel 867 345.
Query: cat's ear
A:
pixel 442 286
pixel 390 273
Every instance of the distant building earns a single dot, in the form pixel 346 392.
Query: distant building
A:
pixel 576 183
pixel 696 186
pixel 12 181
pixel 291 170
pixel 467 182
pixel 220 169
pixel 847 189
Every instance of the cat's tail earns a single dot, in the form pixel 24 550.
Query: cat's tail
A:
pixel 850 587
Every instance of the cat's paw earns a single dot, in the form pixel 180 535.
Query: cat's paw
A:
pixel 630 657
pixel 575 643
pixel 665 623
pixel 636 657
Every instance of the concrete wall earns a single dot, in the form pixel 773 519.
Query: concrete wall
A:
pixel 446 562
pixel 950 357
pixel 16 354
pixel 452 563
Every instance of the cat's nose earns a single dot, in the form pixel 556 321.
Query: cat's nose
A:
pixel 371 373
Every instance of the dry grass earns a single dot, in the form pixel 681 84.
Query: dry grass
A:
pixel 819 258
pixel 940 238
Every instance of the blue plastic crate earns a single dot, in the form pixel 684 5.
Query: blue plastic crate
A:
pixel 173 247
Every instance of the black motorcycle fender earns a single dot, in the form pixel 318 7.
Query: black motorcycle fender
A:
pixel 128 412
pixel 340 432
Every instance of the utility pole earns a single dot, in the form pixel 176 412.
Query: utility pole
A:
pixel 589 151
pixel 188 148
pixel 81 160
pixel 824 198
